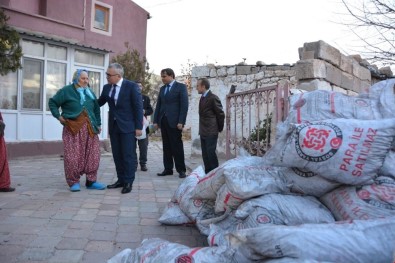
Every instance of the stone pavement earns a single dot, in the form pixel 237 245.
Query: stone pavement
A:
pixel 42 221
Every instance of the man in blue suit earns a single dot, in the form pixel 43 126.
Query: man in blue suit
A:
pixel 125 121
pixel 170 115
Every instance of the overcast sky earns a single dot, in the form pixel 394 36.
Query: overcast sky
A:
pixel 223 32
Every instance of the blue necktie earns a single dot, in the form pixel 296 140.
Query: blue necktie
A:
pixel 113 92
pixel 167 88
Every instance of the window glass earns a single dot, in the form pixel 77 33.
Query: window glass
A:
pixel 32 48
pixel 57 52
pixel 94 82
pixel 31 84
pixel 89 58
pixel 101 17
pixel 8 91
pixel 55 79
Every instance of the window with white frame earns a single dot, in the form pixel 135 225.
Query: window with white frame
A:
pixel 9 91
pixel 32 73
pixel 101 18
pixel 88 58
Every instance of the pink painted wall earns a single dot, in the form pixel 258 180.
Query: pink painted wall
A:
pixel 30 6
pixel 129 22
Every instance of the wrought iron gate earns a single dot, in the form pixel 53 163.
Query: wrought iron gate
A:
pixel 251 118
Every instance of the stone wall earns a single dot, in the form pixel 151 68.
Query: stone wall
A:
pixel 246 77
pixel 321 66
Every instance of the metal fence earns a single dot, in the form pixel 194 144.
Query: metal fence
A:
pixel 251 118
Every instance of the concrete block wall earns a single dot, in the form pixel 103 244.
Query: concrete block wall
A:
pixel 320 62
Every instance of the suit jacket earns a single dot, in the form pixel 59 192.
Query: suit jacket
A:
pixel 128 112
pixel 173 105
pixel 211 115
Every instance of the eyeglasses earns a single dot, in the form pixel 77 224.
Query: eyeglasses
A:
pixel 109 75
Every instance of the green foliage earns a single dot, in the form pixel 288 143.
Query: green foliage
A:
pixel 263 129
pixel 10 49
pixel 135 67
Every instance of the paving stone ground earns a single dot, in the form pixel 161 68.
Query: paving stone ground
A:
pixel 42 221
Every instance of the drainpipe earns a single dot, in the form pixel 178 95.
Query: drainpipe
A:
pixel 84 15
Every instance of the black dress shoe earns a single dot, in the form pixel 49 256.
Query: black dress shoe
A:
pixel 117 184
pixel 182 175
pixel 126 188
pixel 165 172
pixel 144 167
pixel 7 189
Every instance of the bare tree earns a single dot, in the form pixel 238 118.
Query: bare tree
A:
pixel 135 67
pixel 373 22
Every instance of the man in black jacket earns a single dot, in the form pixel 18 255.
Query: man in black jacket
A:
pixel 211 122
pixel 143 143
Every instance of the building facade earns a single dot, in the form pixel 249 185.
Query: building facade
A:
pixel 58 37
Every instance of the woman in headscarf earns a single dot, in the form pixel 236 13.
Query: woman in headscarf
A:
pixel 5 180
pixel 81 120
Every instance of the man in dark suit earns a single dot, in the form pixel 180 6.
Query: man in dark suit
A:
pixel 211 122
pixel 170 115
pixel 143 143
pixel 125 122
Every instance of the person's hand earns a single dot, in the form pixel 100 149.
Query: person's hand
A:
pixel 180 126
pixel 62 120
pixel 156 126
pixel 139 132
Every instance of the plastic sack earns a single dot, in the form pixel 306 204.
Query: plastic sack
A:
pixel 361 241
pixel 363 202
pixel 342 150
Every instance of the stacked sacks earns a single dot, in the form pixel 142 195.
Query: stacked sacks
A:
pixel 270 209
pixel 363 241
pixel 331 147
pixel 154 250
pixel 173 214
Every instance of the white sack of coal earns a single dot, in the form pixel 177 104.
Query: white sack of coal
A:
pixel 363 202
pixel 362 241
pixel 195 209
pixel 243 183
pixel 173 215
pixel 155 250
pixel 387 98
pixel 188 184
pixel 274 209
pixel 321 105
pixel 388 168
pixel 125 256
pixel 305 182
pixel 347 151
pixel 281 209
pixel 248 182
pixel 294 260
pixel 226 200
pixel 208 186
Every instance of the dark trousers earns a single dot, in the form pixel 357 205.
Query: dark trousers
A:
pixel 143 149
pixel 173 147
pixel 123 147
pixel 209 146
